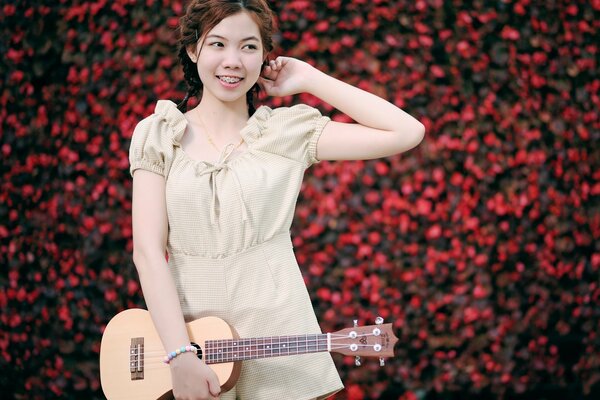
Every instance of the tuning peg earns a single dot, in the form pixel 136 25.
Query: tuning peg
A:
pixel 357 361
pixel 378 321
pixel 381 362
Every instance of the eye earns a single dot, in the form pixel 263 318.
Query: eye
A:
pixel 216 44
pixel 251 46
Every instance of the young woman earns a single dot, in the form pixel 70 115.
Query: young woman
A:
pixel 215 187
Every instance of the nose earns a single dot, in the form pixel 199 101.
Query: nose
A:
pixel 232 59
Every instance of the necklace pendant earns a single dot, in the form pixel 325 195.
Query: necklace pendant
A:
pixel 210 140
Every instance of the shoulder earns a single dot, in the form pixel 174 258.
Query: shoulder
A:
pixel 155 137
pixel 293 112
pixel 287 117
pixel 166 121
pixel 291 132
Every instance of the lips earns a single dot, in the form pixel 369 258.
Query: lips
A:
pixel 230 79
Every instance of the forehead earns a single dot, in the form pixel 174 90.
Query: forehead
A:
pixel 236 27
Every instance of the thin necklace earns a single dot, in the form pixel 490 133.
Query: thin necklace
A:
pixel 209 137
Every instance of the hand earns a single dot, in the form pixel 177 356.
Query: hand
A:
pixel 286 76
pixel 193 379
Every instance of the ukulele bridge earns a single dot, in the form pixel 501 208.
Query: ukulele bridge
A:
pixel 136 358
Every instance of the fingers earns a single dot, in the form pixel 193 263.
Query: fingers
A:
pixel 273 68
pixel 276 64
pixel 267 86
pixel 213 387
pixel 265 81
pixel 260 83
pixel 270 73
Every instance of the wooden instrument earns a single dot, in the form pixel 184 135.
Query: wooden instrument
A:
pixel 131 352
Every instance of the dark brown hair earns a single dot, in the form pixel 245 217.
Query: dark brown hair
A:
pixel 203 15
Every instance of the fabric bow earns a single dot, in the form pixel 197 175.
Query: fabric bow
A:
pixel 213 170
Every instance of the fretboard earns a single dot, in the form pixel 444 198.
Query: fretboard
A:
pixel 221 351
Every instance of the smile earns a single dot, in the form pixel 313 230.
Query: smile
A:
pixel 230 79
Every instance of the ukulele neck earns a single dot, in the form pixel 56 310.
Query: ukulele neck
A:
pixel 223 351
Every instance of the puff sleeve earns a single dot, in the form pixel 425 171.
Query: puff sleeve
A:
pixel 154 139
pixel 293 132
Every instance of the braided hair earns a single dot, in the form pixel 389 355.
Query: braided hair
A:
pixel 203 15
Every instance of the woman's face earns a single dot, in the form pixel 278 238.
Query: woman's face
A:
pixel 230 57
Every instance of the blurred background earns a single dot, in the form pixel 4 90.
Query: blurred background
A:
pixel 481 245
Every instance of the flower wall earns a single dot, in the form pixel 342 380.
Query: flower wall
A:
pixel 481 245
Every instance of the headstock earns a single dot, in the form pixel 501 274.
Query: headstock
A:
pixel 365 341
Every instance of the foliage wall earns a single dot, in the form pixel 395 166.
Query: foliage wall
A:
pixel 481 245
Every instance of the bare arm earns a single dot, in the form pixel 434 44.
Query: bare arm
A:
pixel 382 129
pixel 149 246
pixel 150 228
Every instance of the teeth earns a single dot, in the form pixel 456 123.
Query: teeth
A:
pixel 229 79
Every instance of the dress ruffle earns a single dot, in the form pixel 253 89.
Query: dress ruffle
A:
pixel 257 124
pixel 168 111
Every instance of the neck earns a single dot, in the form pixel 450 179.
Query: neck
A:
pixel 222 351
pixel 228 114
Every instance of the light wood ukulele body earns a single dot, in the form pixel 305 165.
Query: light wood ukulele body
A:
pixel 131 352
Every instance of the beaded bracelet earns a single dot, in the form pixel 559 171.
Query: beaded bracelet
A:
pixel 182 349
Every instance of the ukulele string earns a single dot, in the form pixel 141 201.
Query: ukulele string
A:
pixel 154 359
pixel 225 357
pixel 240 347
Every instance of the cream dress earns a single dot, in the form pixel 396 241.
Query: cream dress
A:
pixel 229 246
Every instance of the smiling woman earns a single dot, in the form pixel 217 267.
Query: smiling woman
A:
pixel 201 17
pixel 229 58
pixel 216 186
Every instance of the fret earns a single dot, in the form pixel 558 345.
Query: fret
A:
pixel 276 344
pixel 219 354
pixel 311 345
pixel 286 346
pixel 235 350
pixel 306 344
pixel 251 351
pixel 246 345
pixel 260 346
pixel 297 345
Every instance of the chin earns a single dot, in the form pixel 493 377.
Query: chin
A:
pixel 228 97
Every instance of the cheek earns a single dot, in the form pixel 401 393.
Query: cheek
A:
pixel 255 65
pixel 205 69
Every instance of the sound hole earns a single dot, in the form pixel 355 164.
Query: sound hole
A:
pixel 198 350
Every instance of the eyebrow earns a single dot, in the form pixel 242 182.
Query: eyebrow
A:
pixel 243 40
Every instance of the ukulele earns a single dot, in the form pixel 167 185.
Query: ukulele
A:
pixel 131 352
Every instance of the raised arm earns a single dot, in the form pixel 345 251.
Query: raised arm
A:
pixel 382 129
pixel 150 229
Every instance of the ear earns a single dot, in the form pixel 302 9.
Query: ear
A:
pixel 265 60
pixel 191 52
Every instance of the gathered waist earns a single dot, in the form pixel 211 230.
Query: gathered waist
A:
pixel 280 239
